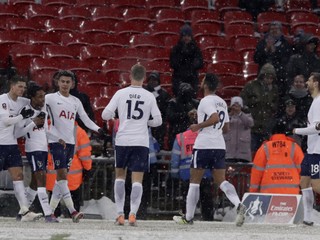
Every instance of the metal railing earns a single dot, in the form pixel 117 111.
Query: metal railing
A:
pixel 163 194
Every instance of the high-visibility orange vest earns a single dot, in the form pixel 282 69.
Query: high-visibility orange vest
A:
pixel 186 141
pixel 276 166
pixel 81 160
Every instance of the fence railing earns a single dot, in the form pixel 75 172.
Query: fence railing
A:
pixel 162 194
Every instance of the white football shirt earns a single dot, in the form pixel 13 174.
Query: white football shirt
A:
pixel 313 135
pixel 211 137
pixel 62 111
pixel 135 105
pixel 36 139
pixel 9 116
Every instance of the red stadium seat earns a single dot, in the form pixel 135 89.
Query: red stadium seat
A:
pixel 56 51
pixel 213 42
pixel 248 56
pixel 46 64
pixel 110 40
pixel 225 55
pixel 127 29
pixel 164 29
pixel 76 39
pixel 232 82
pixel 131 53
pixel 18 3
pixel 155 5
pixel 163 67
pixel 187 6
pixel 307 28
pixel 225 68
pixel 140 15
pixel 58 2
pixel 297 4
pixel 244 43
pixel 235 17
pixel 170 15
pixel 89 78
pixel 60 26
pixel 99 13
pixel 205 16
pixel 72 12
pixel 250 71
pixel 224 6
pixel 91 3
pixel 24 25
pixel 8 11
pixel 122 4
pixel 96 52
pixel 141 40
pixel 227 94
pixel 41 13
pixel 235 30
pixel 206 29
pixel 101 102
pixel 158 54
pixel 43 78
pixel 99 26
pixel 42 38
pixel 310 20
pixel 7 39
pixel 21 56
pixel 265 18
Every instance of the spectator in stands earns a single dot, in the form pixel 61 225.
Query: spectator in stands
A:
pixel 256 6
pixel 274 49
pixel 238 138
pixel 306 62
pixel 299 93
pixel 177 111
pixel 162 97
pixel 180 169
pixel 261 96
pixel 276 166
pixel 185 60
pixel 289 120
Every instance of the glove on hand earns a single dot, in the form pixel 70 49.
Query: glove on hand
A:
pixel 26 113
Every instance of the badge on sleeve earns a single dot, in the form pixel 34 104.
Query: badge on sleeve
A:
pixel 4 106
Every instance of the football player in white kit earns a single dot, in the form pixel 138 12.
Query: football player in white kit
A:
pixel 13 110
pixel 35 131
pixel 62 108
pixel 209 150
pixel 137 109
pixel 310 166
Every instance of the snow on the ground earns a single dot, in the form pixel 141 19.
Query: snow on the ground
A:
pixel 151 230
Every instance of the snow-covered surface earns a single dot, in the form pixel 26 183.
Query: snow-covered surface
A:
pixel 89 229
pixel 151 230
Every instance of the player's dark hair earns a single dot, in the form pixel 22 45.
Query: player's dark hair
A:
pixel 138 72
pixel 16 78
pixel 64 73
pixel 316 78
pixel 33 88
pixel 212 81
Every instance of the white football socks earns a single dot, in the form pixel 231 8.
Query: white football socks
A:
pixel 135 197
pixel 192 200
pixel 119 195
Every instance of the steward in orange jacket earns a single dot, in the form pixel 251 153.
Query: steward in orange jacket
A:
pixel 81 160
pixel 276 166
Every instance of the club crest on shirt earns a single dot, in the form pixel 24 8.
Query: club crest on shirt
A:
pixel 57 163
pixel 4 106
